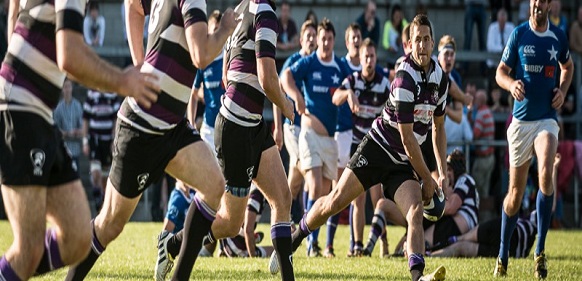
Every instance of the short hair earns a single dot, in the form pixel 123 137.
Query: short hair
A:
pixel 457 162
pixel 216 15
pixel 367 43
pixel 326 25
pixel 420 20
pixel 307 24
pixel 406 32
pixel 447 42
pixel 93 5
pixel 353 27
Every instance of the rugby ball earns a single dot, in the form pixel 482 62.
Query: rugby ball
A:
pixel 436 208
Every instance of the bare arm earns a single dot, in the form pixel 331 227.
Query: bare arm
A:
pixel 13 10
pixel 340 96
pixel 192 106
pixel 267 74
pixel 134 23
pixel 453 204
pixel 455 113
pixel 204 48
pixel 289 86
pixel 249 230
pixel 565 81
pixel 457 94
pixel 439 142
pixel 278 127
pixel 505 81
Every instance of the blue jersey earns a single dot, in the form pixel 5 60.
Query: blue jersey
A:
pixel 534 58
pixel 178 207
pixel 320 80
pixel 211 76
pixel 344 117
pixel 288 63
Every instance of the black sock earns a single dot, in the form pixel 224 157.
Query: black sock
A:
pixel 175 243
pixel 281 237
pixel 82 269
pixel 300 233
pixel 197 224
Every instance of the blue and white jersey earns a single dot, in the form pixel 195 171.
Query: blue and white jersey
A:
pixel 288 62
pixel 30 79
pixel 344 117
pixel 213 90
pixel 534 57
pixel 416 96
pixel 178 207
pixel 320 80
pixel 254 37
pixel 168 57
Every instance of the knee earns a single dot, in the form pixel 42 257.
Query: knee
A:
pixel 230 230
pixel 414 215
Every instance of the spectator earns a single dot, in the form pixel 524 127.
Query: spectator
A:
pixel 497 36
pixel 475 13
pixel 523 12
pixel 499 100
pixel 94 26
pixel 288 38
pixel 393 30
pixel 370 23
pixel 311 16
pixel 576 34
pixel 483 129
pixel 556 16
pixel 68 118
pixel 458 132
pixel 497 5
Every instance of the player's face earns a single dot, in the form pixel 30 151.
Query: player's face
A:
pixel 325 41
pixel 450 175
pixel 447 60
pixel 422 45
pixel 353 41
pixel 308 40
pixel 539 11
pixel 368 58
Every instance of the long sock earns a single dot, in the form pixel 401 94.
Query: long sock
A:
pixel 51 257
pixel 351 221
pixel 80 271
pixel 281 237
pixel 416 265
pixel 331 228
pixel 300 233
pixel 376 230
pixel 175 243
pixel 315 232
pixel 507 226
pixel 544 213
pixel 198 222
pixel 6 271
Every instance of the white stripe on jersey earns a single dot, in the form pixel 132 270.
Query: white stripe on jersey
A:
pixel 249 45
pixel 266 34
pixel 167 84
pixel 255 8
pixel 36 60
pixel 247 78
pixel 23 96
pixel 176 35
pixel 155 122
pixel 229 106
pixel 100 125
pixel 76 5
pixel 369 111
pixel 193 4
pixel 135 125
pixel 44 12
pixel 401 95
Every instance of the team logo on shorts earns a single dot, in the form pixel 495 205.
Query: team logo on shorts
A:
pixel 142 180
pixel 362 161
pixel 250 172
pixel 37 157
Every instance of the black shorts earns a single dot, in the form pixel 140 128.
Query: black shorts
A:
pixel 239 150
pixel 33 151
pixel 140 159
pixel 489 238
pixel 100 150
pixel 372 165
pixel 428 152
pixel 444 228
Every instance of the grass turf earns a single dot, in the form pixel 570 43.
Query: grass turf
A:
pixel 132 257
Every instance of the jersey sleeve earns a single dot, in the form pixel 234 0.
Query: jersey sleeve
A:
pixel 348 83
pixel 443 93
pixel 70 14
pixel 300 68
pixel 510 53
pixel 198 80
pixel 565 50
pixel 266 26
pixel 193 11
pixel 402 97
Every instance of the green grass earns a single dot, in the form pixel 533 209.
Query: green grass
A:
pixel 132 257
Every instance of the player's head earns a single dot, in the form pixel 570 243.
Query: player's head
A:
pixel 447 50
pixel 325 37
pixel 538 11
pixel 214 21
pixel 285 13
pixel 308 35
pixel 67 89
pixel 353 39
pixel 455 164
pixel 368 56
pixel 421 40
pixel 93 9
pixel 405 36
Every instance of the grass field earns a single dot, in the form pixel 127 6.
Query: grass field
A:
pixel 132 256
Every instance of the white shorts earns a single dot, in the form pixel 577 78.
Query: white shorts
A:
pixel 207 135
pixel 521 136
pixel 291 138
pixel 318 151
pixel 344 147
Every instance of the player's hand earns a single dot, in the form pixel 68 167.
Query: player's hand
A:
pixel 558 98
pixel 468 99
pixel 443 182
pixel 278 136
pixel 143 87
pixel 300 105
pixel 288 110
pixel 229 20
pixel 353 102
pixel 428 189
pixel 517 90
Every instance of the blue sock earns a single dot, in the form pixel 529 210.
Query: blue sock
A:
pixel 544 208
pixel 331 228
pixel 314 233
pixel 305 201
pixel 507 227
pixel 6 272
pixel 351 220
